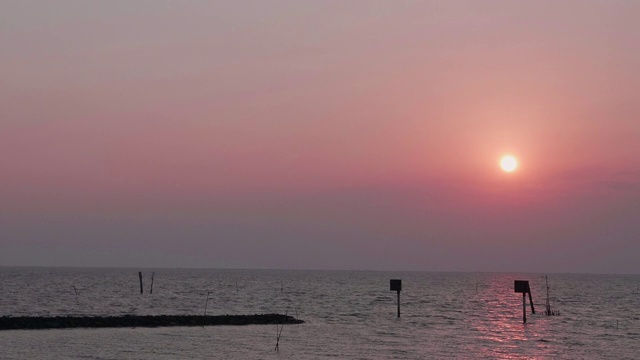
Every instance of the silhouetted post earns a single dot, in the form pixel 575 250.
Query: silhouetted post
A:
pixel 140 276
pixel 547 303
pixel 206 303
pixel 279 332
pixel 396 285
pixel 533 310
pixel 524 308
pixel 152 276
pixel 76 291
pixel 522 286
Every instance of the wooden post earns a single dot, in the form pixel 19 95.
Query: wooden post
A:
pixel 524 308
pixel 206 303
pixel 279 332
pixel 76 291
pixel 152 276
pixel 548 303
pixel 140 276
pixel 396 285
pixel 522 286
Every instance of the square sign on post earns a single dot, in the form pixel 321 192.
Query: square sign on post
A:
pixel 396 285
pixel 522 286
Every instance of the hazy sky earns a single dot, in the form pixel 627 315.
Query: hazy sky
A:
pixel 321 134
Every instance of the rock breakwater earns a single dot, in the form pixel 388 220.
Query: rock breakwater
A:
pixel 64 322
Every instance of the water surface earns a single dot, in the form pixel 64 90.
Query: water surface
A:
pixel 348 314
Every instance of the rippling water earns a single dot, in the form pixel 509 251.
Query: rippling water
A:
pixel 349 315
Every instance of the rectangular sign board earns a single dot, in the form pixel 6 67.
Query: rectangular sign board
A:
pixel 522 286
pixel 396 285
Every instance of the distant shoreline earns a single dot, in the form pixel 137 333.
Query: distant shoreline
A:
pixel 68 322
pixel 381 271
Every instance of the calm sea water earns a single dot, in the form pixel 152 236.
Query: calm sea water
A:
pixel 349 315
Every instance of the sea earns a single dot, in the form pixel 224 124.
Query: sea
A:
pixel 347 314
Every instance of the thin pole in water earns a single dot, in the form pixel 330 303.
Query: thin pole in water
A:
pixel 152 276
pixel 533 309
pixel 206 303
pixel 396 285
pixel 277 337
pixel 279 332
pixel 548 304
pixel 524 308
pixel 76 291
pixel 140 276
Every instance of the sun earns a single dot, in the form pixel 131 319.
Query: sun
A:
pixel 508 163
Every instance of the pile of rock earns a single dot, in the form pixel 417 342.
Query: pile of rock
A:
pixel 61 322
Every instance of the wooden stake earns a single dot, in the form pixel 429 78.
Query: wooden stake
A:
pixel 396 285
pixel 140 276
pixel 76 291
pixel 524 308
pixel 278 333
pixel 206 303
pixel 152 275
pixel 548 303
pixel 522 286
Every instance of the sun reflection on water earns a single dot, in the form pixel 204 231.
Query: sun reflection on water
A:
pixel 501 332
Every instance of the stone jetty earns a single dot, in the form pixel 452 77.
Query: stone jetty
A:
pixel 65 322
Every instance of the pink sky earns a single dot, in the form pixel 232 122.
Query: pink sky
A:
pixel 321 134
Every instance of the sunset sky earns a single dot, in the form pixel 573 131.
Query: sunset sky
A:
pixel 305 134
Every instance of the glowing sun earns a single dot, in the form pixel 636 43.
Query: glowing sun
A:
pixel 508 163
